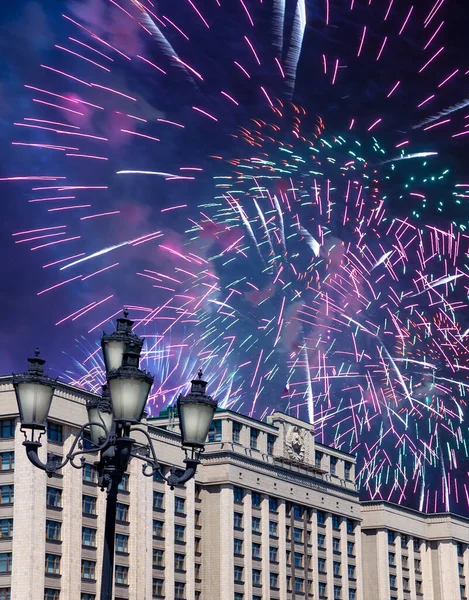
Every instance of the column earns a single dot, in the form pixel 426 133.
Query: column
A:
pixel 314 540
pixel 400 586
pixel 169 543
pixel 265 547
pixel 227 543
pixel 343 557
pixel 29 521
pixel 190 537
pixel 247 520
pixel 359 561
pixel 427 572
pixel 282 550
pixel 383 564
pixel 329 557
pixel 71 524
pixel 410 550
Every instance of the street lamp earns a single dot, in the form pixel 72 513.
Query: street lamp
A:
pixel 111 421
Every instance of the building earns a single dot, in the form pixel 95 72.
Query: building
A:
pixel 271 514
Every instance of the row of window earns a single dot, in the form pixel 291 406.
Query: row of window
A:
pixel 49 594
pixel 179 503
pixel 405 539
pixel 8 427
pixel 404 561
pixel 405 584
pixel 179 531
pixel 179 589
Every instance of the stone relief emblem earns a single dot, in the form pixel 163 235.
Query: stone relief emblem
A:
pixel 295 443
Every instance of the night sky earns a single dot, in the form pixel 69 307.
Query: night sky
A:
pixel 297 225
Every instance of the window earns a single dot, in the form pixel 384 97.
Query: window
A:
pixel 6 529
pixel 122 542
pixel 238 596
pixel 5 562
pixel 238 573
pixel 273 580
pixel 89 505
pixel 333 465
pixel 236 432
pixel 54 432
pixel 53 563
pixel 298 559
pixel 158 498
pixel 121 575
pixel 256 524
pixel 179 532
pixel 197 570
pixel 238 520
pixel 5 594
pixel 54 497
pixel 179 562
pixel 322 590
pixel 238 546
pixel 462 590
pixel 350 548
pixel 336 521
pixel 350 526
pixel 270 443
pixel 404 540
pixel 214 433
pixel 321 540
pixel 336 568
pixel 88 536
pixel 7 494
pixel 297 534
pixel 321 516
pixel 253 438
pixel 336 544
pixel 122 512
pixel 297 511
pixel 273 504
pixel 391 536
pixel 50 594
pixel 124 483
pixel 460 549
pixel 318 459
pixel 352 594
pixel 273 528
pixel 238 494
pixel 416 545
pixel 256 550
pixel 158 528
pixel 7 461
pixel 88 597
pixel 337 592
pixel 53 530
pixel 158 587
pixel 179 589
pixel 405 583
pixel 273 554
pixel 299 585
pixel 87 569
pixel 418 586
pixel 89 473
pixel 351 572
pixel 158 557
pixel 256 499
pixel 348 470
pixel 321 565
pixel 7 430
pixel 461 569
pixel 392 581
pixel 256 577
pixel 392 559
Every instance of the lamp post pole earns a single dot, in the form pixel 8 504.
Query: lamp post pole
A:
pixel 111 420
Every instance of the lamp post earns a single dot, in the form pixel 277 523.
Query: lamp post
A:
pixel 111 421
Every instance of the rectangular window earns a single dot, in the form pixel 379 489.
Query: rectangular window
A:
pixel 299 585
pixel 158 557
pixel 179 505
pixel 5 562
pixel 158 528
pixel 85 597
pixel 336 521
pixel 347 470
pixel 273 554
pixel 236 432
pixel 7 430
pixel 336 568
pixel 253 438
pixel 122 512
pixel 416 545
pixel 256 499
pixel 462 591
pixel 392 559
pixel 53 530
pixel 238 520
pixel 5 593
pixel 179 589
pixel 122 542
pixel 256 551
pixel 214 433
pixel 54 432
pixel 7 461
pixel 7 494
pixel 391 536
pixel 238 494
pixel 158 499
pixel 122 575
pixel 297 534
pixel 88 569
pixel 321 540
pixel 6 529
pixel 460 549
pixel 273 528
pixel 321 516
pixel 273 580
pixel 273 504
pixel 350 526
pixel 404 540
pixel 297 511
pixel 238 596
pixel 392 581
pixel 256 524
pixel 318 459
pixel 298 559
pixel 54 497
pixel 350 548
pixel 89 505
pixel 50 594
pixel 405 583
pixel 179 562
pixel 88 537
pixel 336 544
pixel 270 444
pixel 321 565
pixel 352 594
pixel 256 577
pixel 158 587
pixel 179 533
pixel 89 473
pixel 337 592
pixel 322 590
pixel 238 547
pixel 351 572
pixel 333 465
pixel 238 573
pixel 53 564
pixel 418 586
pixel 124 483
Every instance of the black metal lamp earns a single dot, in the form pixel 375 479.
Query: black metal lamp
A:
pixel 100 411
pixel 114 344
